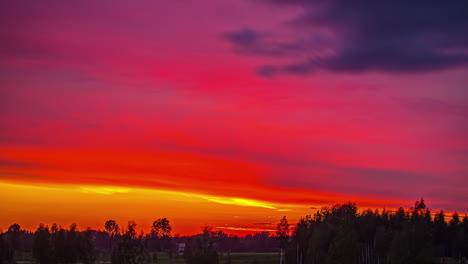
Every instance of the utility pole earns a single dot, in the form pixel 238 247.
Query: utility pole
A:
pixel 297 253
pixel 281 255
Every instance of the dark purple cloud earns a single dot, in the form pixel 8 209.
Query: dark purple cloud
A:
pixel 384 36
pixel 5 163
pixel 251 42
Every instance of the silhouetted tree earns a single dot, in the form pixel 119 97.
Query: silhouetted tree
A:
pixel 160 238
pixel 161 228
pixel 59 247
pixel 72 244
pixel 6 250
pixel 112 229
pixel 129 248
pixel 41 248
pixel 13 237
pixel 464 237
pixel 282 231
pixel 201 249
pixel 455 237
pixel 440 234
pixel 86 247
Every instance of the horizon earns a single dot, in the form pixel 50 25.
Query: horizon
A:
pixel 144 221
pixel 241 232
pixel 230 114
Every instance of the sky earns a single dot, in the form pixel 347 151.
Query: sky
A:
pixel 229 113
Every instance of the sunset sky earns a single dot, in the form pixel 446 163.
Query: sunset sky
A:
pixel 230 113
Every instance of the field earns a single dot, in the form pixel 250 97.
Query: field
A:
pixel 236 258
pixel 162 258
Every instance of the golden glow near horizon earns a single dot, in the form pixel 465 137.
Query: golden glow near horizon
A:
pixel 238 201
pixel 107 190
pixel 91 206
pixel 104 189
pixel 245 229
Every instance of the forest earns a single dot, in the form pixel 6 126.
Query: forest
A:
pixel 343 234
pixel 335 234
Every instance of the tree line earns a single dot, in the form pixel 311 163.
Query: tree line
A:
pixel 342 234
pixel 339 234
pixel 122 244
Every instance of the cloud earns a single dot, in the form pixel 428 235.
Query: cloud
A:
pixel 366 36
pixel 435 106
pixel 352 181
pixel 238 201
pixel 264 223
pixel 13 176
pixel 6 163
pixel 104 189
pixel 248 41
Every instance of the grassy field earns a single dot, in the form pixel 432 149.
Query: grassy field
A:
pixel 251 258
pixel 162 258
pixel 236 258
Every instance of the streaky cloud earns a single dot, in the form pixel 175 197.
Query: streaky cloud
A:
pixel 389 36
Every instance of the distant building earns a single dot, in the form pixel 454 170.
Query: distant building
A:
pixel 181 248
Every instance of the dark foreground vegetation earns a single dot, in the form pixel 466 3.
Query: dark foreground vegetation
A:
pixel 340 234
pixel 333 235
